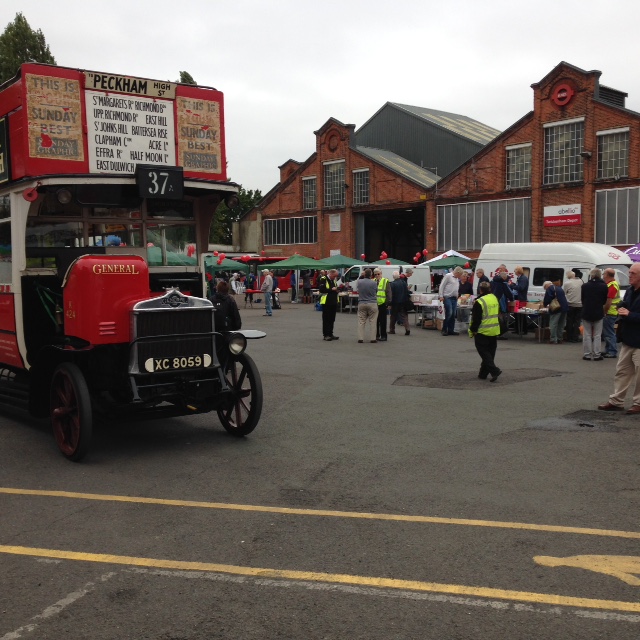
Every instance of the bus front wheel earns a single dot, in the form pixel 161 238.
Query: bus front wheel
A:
pixel 70 409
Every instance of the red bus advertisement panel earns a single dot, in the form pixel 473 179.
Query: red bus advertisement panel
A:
pixel 65 120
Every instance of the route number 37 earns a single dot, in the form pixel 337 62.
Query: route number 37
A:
pixel 155 182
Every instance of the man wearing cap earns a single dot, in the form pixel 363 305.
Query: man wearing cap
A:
pixel 266 288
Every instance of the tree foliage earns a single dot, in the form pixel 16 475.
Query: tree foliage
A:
pixel 225 217
pixel 186 78
pixel 20 43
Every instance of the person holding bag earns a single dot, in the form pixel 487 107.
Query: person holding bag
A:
pixel 556 301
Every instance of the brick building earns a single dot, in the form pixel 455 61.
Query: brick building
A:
pixel 355 198
pixel 567 171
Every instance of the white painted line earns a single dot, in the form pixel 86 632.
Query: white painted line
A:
pixel 56 608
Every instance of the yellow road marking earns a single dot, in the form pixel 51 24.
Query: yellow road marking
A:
pixel 335 578
pixel 626 568
pixel 326 513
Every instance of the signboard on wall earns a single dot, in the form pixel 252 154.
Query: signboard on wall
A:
pixel 54 115
pixel 199 135
pixel 565 215
pixel 70 121
pixel 127 130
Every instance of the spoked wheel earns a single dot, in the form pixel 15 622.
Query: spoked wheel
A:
pixel 240 417
pixel 70 406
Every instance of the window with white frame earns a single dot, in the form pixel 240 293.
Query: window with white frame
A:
pixel 334 183
pixel 470 225
pixel 613 153
pixel 309 197
pixel 519 166
pixel 290 230
pixel 618 216
pixel 360 186
pixel 563 144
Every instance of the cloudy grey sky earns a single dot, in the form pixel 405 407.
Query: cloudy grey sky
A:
pixel 286 66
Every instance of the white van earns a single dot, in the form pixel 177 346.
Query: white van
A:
pixel 419 281
pixel 544 261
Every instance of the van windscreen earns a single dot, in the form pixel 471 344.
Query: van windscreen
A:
pixel 622 273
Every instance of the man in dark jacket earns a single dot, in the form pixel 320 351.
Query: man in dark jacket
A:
pixel 399 299
pixel 329 301
pixel 628 367
pixel 594 297
pixel 226 315
pixel 501 290
pixel 521 293
pixel 557 318
pixel 478 279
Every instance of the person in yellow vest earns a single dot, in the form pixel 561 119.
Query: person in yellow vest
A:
pixel 611 314
pixel 328 288
pixel 384 302
pixel 485 329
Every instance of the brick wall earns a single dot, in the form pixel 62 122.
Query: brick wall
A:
pixel 386 190
pixel 483 177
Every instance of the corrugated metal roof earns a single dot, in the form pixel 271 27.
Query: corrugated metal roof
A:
pixel 462 125
pixel 400 165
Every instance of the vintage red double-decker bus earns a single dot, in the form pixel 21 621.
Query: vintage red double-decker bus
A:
pixel 108 186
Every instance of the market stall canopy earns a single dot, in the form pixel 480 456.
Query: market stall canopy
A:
pixel 449 263
pixel 392 261
pixel 447 254
pixel 297 262
pixel 634 252
pixel 341 262
pixel 211 264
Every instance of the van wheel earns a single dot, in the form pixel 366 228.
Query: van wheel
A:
pixel 70 409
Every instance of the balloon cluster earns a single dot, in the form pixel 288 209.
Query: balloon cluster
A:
pixel 418 255
pixel 221 256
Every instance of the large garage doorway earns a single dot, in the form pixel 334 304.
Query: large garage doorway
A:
pixel 397 232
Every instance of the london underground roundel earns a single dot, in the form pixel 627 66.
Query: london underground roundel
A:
pixel 562 94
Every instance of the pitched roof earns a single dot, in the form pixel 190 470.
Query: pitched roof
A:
pixel 462 125
pixel 400 165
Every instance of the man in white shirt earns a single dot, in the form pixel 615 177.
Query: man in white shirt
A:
pixel 573 290
pixel 448 294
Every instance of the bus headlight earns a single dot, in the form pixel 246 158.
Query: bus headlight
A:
pixel 237 344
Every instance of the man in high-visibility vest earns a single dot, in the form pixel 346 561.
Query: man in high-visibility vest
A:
pixel 384 302
pixel 328 289
pixel 485 329
pixel 611 314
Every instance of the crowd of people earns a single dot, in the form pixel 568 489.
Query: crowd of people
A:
pixel 589 312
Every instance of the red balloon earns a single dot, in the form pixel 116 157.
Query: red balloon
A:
pixel 383 255
pixel 415 259
pixel 223 256
pixel 388 261
pixel 219 260
pixel 467 265
pixel 363 256
pixel 425 252
pixel 215 253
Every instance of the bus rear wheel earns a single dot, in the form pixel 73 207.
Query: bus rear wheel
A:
pixel 240 417
pixel 70 409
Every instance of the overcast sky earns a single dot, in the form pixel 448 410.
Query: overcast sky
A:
pixel 287 66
